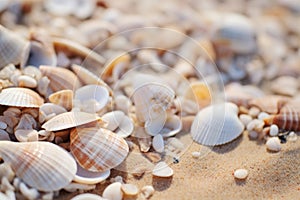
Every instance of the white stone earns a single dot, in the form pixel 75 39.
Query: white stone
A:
pixel 158 143
pixel 245 119
pixel 292 136
pixel 240 174
pixel 130 189
pixel 147 191
pixel 162 169
pixel 254 111
pixel 113 192
pixel 253 135
pixel 27 81
pixel 87 196
pixel 28 193
pixel 196 154
pixel 263 115
pixel 256 125
pixel 3 125
pixel 273 144
pixel 274 130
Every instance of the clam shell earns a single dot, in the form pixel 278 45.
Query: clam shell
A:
pixel 97 149
pixel 152 96
pixel 113 119
pixel 217 124
pixel 60 78
pixel 20 97
pixel 13 48
pixel 162 169
pixel 93 92
pixel 41 165
pixel 63 98
pixel 69 120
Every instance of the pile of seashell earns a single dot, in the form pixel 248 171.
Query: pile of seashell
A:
pixel 69 115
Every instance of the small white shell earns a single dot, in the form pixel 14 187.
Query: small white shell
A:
pixel 113 119
pixel 87 177
pixel 240 174
pixel 63 98
pixel 158 143
pixel 129 189
pixel 125 128
pixel 217 124
pixel 88 196
pixel 41 165
pixel 113 191
pixel 162 169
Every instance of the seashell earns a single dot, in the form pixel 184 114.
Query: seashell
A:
pixel 200 93
pixel 216 125
pixel 33 72
pixel 240 174
pixel 20 97
pixel 49 109
pixel 27 81
pixel 158 143
pixel 26 122
pixel 288 85
pixel 88 196
pixel 4 135
pixel 63 98
pixel 143 138
pixel 147 191
pixel 43 86
pixel 114 68
pixel 273 144
pixel 162 169
pixel 25 135
pixel 69 120
pixel 123 103
pixel 125 128
pixel 113 191
pixel 60 78
pixel 129 189
pixel 73 187
pixel 97 149
pixel 14 49
pixel 87 177
pixel 152 98
pixel 41 165
pixel 270 103
pixel 93 92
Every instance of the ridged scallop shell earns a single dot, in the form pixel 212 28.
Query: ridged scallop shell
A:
pixel 217 124
pixel 152 96
pixel 13 48
pixel 60 78
pixel 97 149
pixel 270 104
pixel 20 97
pixel 69 120
pixel 41 165
pixel 63 98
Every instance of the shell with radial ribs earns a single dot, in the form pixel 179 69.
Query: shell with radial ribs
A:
pixel 20 97
pixel 97 149
pixel 217 124
pixel 13 48
pixel 60 78
pixel 69 120
pixel 41 165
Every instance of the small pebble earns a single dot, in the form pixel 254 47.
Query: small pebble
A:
pixel 240 174
pixel 273 130
pixel 292 136
pixel 158 143
pixel 27 81
pixel 3 125
pixel 196 154
pixel 256 125
pixel 113 192
pixel 245 119
pixel 129 189
pixel 273 144
pixel 147 191
pixel 263 115
pixel 253 135
pixel 254 111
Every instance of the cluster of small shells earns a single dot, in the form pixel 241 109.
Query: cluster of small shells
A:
pixel 69 115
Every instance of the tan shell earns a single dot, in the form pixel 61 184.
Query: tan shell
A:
pixel 60 78
pixel 97 149
pixel 200 93
pixel 41 165
pixel 13 48
pixel 63 98
pixel 69 120
pixel 270 104
pixel 20 97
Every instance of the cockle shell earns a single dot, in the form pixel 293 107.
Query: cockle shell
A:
pixel 13 48
pixel 70 120
pixel 152 97
pixel 270 103
pixel 41 165
pixel 97 149
pixel 60 78
pixel 20 97
pixel 63 98
pixel 217 124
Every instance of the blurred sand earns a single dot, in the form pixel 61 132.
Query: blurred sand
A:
pixel 271 175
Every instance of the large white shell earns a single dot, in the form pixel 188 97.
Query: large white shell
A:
pixel 97 149
pixel 217 124
pixel 69 120
pixel 87 177
pixel 93 92
pixel 41 165
pixel 20 97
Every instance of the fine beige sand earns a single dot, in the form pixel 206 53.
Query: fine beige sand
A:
pixel 271 175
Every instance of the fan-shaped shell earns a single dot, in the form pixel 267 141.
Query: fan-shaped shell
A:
pixel 13 48
pixel 63 98
pixel 20 97
pixel 41 165
pixel 97 149
pixel 152 96
pixel 69 120
pixel 217 124
pixel 60 78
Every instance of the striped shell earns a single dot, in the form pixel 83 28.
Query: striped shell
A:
pixel 13 48
pixel 41 165
pixel 96 149
pixel 69 120
pixel 20 97
pixel 217 124
pixel 60 78
pixel 63 98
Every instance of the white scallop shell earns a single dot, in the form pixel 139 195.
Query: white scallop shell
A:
pixel 20 97
pixel 93 92
pixel 217 124
pixel 41 165
pixel 69 120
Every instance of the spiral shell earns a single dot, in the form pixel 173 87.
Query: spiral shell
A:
pixel 96 149
pixel 41 165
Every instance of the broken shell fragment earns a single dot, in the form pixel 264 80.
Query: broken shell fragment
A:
pixel 162 169
pixel 63 98
pixel 129 189
pixel 41 165
pixel 113 191
pixel 20 97
pixel 97 149
pixel 217 124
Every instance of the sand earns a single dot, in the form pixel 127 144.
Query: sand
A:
pixel 271 175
